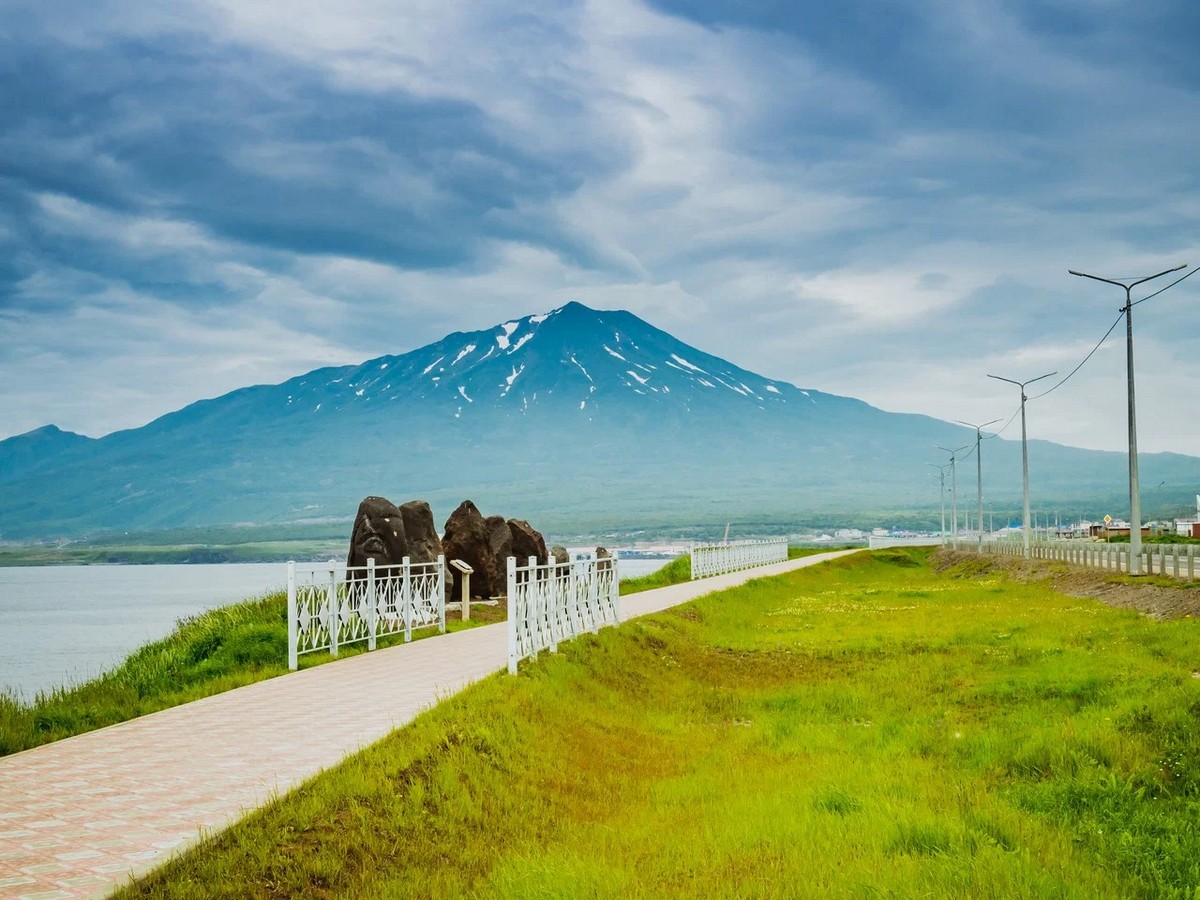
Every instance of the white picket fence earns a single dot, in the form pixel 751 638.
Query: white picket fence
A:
pixel 717 559
pixel 1178 560
pixel 332 605
pixel 553 602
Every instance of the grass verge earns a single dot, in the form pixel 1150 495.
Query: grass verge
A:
pixel 864 728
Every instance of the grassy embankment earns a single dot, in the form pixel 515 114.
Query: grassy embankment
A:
pixel 1155 539
pixel 863 728
pixel 210 653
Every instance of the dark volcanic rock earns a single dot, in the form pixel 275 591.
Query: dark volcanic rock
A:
pixel 378 533
pixel 424 545
pixel 465 537
pixel 527 541
pixel 500 547
pixel 560 554
pixel 603 558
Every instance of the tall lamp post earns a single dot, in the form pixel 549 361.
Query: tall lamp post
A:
pixel 1024 449
pixel 953 491
pixel 979 470
pixel 1135 498
pixel 941 493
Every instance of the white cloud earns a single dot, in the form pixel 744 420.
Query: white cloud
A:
pixel 786 209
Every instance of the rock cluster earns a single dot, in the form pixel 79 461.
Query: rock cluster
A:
pixel 389 533
pixel 485 544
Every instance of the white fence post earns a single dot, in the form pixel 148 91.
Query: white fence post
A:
pixel 406 597
pixel 334 614
pixel 440 589
pixel 614 586
pixel 293 623
pixel 514 601
pixel 371 610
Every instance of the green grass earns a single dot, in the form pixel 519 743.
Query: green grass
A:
pixel 676 571
pixel 864 728
pixel 1164 538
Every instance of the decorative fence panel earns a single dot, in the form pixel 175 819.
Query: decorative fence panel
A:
pixel 1178 560
pixel 333 605
pixel 553 602
pixel 717 559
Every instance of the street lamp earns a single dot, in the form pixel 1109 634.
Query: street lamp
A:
pixel 941 493
pixel 953 491
pixel 1135 499
pixel 1024 448
pixel 978 470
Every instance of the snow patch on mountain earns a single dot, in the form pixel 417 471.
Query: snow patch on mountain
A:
pixel 516 373
pixel 582 369
pixel 612 352
pixel 502 339
pixel 687 365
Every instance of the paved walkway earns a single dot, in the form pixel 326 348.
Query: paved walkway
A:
pixel 80 816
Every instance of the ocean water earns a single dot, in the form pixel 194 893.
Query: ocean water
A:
pixel 62 625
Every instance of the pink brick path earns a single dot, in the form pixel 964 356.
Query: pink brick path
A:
pixel 80 816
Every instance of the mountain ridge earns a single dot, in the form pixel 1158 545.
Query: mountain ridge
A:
pixel 573 415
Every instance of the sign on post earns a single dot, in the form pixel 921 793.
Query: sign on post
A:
pixel 466 571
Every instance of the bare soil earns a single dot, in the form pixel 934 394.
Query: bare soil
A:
pixel 1160 597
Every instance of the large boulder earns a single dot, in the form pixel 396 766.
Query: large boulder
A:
pixel 560 554
pixel 527 541
pixel 378 533
pixel 500 548
pixel 465 537
pixel 424 545
pixel 603 558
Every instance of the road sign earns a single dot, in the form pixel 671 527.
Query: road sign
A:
pixel 1108 520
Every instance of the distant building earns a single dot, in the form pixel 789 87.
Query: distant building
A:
pixel 1190 525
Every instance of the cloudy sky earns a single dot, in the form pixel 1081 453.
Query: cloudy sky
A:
pixel 873 198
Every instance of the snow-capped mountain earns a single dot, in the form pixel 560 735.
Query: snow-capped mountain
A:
pixel 572 358
pixel 574 418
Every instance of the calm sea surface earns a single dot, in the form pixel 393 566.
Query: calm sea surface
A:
pixel 65 624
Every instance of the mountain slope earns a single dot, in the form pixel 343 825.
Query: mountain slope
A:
pixel 577 418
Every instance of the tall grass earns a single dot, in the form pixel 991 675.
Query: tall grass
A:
pixel 676 571
pixel 218 650
pixel 863 728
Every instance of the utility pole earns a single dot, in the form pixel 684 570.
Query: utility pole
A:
pixel 979 472
pixel 941 494
pixel 953 491
pixel 1135 499
pixel 1024 451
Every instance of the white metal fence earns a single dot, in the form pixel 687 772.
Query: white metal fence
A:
pixel 1178 560
pixel 332 605
pixel 557 601
pixel 717 559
